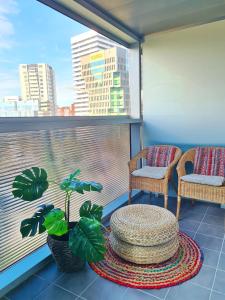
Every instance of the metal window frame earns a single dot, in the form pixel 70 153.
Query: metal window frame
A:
pixel 98 11
pixel 15 124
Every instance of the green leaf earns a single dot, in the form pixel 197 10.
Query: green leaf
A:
pixel 80 186
pixel 55 223
pixel 92 212
pixel 87 241
pixel 97 187
pixel 74 174
pixel 30 226
pixel 31 184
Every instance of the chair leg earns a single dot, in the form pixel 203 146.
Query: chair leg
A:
pixel 129 196
pixel 165 201
pixel 178 206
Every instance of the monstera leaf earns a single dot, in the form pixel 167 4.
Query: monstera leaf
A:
pixel 31 184
pixel 65 184
pixel 78 186
pixel 74 174
pixel 92 212
pixel 55 222
pixel 29 227
pixel 91 186
pixel 86 240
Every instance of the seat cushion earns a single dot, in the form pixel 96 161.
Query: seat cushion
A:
pixel 151 172
pixel 204 179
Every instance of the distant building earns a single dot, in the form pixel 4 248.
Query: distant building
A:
pixel 82 45
pixel 13 106
pixel 12 99
pixel 37 83
pixel 66 111
pixel 106 81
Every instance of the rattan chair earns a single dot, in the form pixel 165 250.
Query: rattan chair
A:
pixel 196 191
pixel 149 184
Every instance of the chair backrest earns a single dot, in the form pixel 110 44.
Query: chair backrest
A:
pixel 160 155
pixel 209 161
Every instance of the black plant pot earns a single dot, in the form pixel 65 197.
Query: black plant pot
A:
pixel 63 256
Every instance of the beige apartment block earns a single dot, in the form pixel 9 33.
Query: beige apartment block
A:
pixel 106 81
pixel 37 82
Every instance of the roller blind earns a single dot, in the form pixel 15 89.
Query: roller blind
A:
pixel 101 152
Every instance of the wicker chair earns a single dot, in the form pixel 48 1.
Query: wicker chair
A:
pixel 196 191
pixel 145 183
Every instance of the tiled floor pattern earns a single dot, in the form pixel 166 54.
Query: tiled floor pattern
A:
pixel 203 222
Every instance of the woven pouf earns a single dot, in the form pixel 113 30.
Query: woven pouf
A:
pixel 144 234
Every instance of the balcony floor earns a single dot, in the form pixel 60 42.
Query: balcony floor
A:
pixel 204 222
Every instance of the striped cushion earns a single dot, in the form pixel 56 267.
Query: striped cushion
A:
pixel 209 161
pixel 160 156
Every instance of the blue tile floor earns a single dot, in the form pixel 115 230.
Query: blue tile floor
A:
pixel 204 222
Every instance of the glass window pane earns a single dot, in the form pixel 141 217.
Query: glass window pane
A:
pixel 65 72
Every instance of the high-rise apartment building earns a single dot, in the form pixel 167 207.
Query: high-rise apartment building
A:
pixel 37 82
pixel 106 81
pixel 82 45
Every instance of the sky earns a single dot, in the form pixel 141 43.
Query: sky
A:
pixel 31 32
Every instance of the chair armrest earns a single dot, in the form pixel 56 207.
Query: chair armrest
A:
pixel 133 162
pixel 188 156
pixel 173 163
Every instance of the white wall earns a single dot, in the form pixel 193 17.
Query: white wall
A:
pixel 184 86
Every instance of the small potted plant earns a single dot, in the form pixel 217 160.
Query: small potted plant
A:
pixel 71 243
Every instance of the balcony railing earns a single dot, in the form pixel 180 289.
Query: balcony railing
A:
pixel 100 151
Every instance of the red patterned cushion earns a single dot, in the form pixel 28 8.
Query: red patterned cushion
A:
pixel 209 161
pixel 160 156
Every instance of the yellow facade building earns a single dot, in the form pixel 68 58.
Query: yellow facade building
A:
pixel 106 81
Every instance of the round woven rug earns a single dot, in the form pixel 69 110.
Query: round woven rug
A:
pixel 184 265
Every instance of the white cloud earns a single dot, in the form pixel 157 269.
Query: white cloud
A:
pixel 7 8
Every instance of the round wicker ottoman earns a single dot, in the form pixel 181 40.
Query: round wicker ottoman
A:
pixel 144 234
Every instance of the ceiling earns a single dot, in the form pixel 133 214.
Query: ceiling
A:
pixel 128 21
pixel 150 16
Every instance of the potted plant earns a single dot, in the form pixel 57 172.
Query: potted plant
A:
pixel 71 243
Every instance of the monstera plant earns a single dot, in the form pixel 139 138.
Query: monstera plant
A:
pixel 71 243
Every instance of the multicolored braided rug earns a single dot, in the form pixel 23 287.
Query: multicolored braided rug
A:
pixel 184 265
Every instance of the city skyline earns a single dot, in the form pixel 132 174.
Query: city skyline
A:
pixel 74 97
pixel 25 39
